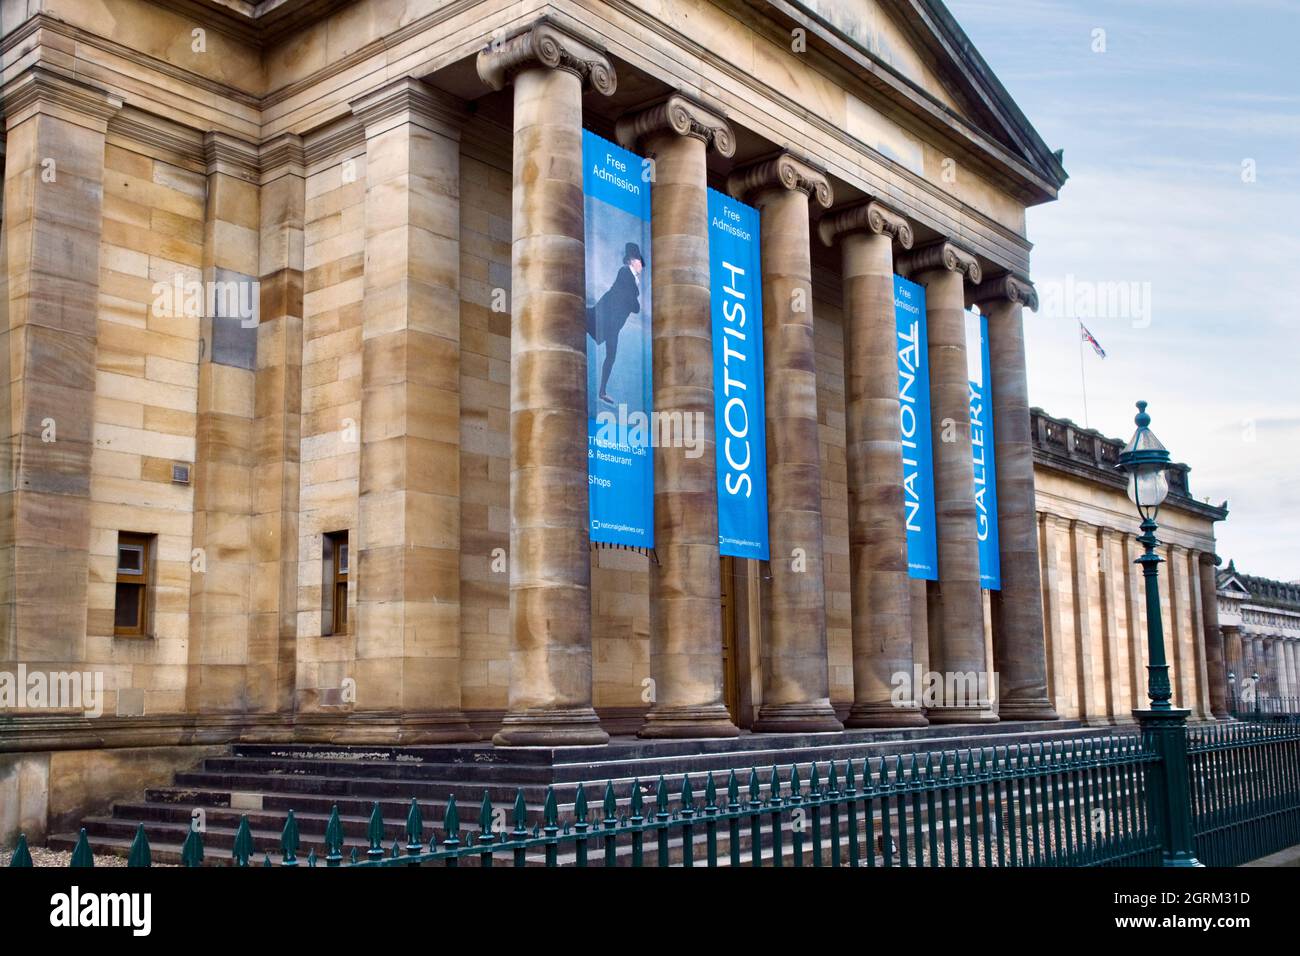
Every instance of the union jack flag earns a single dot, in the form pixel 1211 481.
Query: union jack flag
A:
pixel 1088 337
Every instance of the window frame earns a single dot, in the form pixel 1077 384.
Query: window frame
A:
pixel 336 559
pixel 142 544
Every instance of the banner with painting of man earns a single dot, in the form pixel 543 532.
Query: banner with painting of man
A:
pixel 620 464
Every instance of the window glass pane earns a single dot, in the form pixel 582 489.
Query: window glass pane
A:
pixel 343 558
pixel 130 559
pixel 126 612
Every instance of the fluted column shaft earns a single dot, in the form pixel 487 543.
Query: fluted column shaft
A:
pixel 685 610
pixel 880 589
pixel 796 683
pixel 1019 646
pixel 550 699
pixel 959 649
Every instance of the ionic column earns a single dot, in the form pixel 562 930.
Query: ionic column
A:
pixel 942 268
pixel 880 586
pixel 1282 679
pixel 1293 676
pixel 407 552
pixel 685 613
pixel 1216 675
pixel 796 684
pixel 1019 649
pixel 550 564
pixel 1258 662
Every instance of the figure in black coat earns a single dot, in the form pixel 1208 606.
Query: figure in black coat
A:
pixel 605 320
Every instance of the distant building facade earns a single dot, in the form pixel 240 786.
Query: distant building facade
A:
pixel 1260 620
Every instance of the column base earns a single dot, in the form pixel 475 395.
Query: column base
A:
pixel 1031 709
pixel 688 722
pixel 960 715
pixel 885 715
pixel 577 727
pixel 367 727
pixel 803 718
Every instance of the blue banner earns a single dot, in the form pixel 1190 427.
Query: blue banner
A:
pixel 914 429
pixel 736 300
pixel 620 465
pixel 981 441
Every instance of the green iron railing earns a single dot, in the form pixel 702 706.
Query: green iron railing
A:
pixel 1244 781
pixel 1065 803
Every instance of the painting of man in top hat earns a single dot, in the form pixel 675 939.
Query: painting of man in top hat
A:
pixel 605 320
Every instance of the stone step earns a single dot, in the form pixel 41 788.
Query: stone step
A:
pixel 265 781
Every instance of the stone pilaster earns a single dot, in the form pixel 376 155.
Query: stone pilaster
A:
pixel 53 210
pixel 1176 626
pixel 1083 556
pixel 1108 585
pixel 407 628
pixel 1019 649
pixel 1198 636
pixel 685 614
pixel 278 425
pixel 943 268
pixel 1215 669
pixel 1053 614
pixel 796 684
pixel 1136 621
pixel 220 679
pixel 880 586
pixel 550 568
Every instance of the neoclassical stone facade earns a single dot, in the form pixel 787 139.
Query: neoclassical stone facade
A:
pixel 358 511
pixel 1260 623
pixel 1093 601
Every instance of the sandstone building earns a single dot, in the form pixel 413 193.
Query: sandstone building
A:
pixel 349 504
pixel 1260 623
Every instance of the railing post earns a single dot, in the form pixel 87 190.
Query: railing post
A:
pixel 1164 733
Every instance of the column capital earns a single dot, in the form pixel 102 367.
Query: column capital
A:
pixel 545 44
pixel 1006 288
pixel 782 171
pixel 871 216
pixel 285 154
pixel 39 90
pixel 678 114
pixel 408 100
pixel 230 155
pixel 943 254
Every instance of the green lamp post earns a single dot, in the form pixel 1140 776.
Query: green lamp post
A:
pixel 1164 727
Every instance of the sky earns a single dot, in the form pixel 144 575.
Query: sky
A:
pixel 1176 240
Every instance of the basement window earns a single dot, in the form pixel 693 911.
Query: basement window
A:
pixel 334 584
pixel 132 604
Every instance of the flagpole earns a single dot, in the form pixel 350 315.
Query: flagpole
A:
pixel 1083 379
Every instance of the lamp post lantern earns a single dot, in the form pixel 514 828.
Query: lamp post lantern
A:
pixel 1164 727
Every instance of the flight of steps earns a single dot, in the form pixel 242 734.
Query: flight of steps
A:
pixel 265 781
